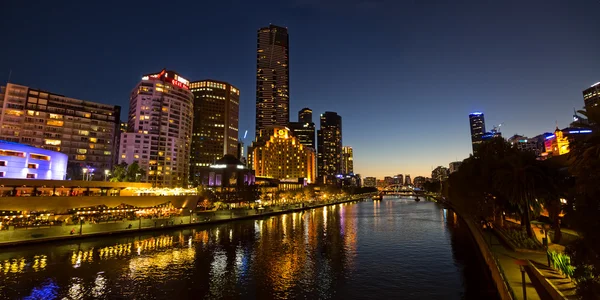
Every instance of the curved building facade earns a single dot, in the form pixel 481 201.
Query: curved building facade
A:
pixel 26 162
pixel 159 129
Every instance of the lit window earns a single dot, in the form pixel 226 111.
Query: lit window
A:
pixel 106 152
pixel 52 142
pixel 82 151
pixel 39 156
pixel 79 157
pixel 123 156
pixel 32 166
pixel 84 132
pixel 55 123
pixel 93 140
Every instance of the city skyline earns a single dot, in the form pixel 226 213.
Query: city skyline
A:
pixel 525 85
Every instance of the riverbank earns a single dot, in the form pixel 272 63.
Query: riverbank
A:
pixel 9 238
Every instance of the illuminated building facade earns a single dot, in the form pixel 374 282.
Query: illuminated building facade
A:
pixel 347 160
pixel 329 143
pixel 284 157
pixel 304 129
pixel 407 180
pixel 160 129
pixel 87 132
pixel 370 182
pixel 477 124
pixel 21 161
pixel 591 96
pixel 558 143
pixel 227 172
pixel 215 127
pixel 272 78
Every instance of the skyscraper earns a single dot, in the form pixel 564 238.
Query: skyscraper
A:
pixel 215 129
pixel 329 142
pixel 407 180
pixel 272 78
pixel 477 123
pixel 305 115
pixel 347 160
pixel 591 95
pixel 304 129
pixel 159 132
pixel 86 131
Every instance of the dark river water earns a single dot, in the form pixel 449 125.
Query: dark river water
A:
pixel 390 249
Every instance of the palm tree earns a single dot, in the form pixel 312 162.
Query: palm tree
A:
pixel 516 179
pixel 556 184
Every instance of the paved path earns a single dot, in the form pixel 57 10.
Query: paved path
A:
pixel 512 272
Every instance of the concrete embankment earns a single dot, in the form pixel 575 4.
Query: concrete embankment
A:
pixel 497 276
pixel 62 233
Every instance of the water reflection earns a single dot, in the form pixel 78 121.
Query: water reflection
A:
pixel 342 251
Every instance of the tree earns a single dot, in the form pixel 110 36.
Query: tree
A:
pixel 119 172
pixel 516 179
pixel 135 173
pixel 585 166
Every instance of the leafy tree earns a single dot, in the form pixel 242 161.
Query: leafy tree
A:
pixel 135 173
pixel 119 172
pixel 585 166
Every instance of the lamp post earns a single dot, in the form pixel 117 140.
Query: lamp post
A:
pixel 190 216
pixel 80 225
pixel 85 170
pixel 106 173
pixel 90 174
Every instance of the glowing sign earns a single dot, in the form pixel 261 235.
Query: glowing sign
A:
pixel 477 113
pixel 550 137
pixel 182 80
pixel 178 83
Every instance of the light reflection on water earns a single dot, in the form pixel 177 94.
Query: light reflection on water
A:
pixel 371 249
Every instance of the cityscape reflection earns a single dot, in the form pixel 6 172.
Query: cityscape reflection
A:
pixel 316 253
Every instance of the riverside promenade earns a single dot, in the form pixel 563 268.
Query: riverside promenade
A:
pixel 23 236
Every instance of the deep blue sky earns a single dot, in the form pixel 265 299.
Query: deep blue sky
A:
pixel 403 75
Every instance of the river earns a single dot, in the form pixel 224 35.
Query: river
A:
pixel 390 249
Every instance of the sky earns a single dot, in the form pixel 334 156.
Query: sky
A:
pixel 404 75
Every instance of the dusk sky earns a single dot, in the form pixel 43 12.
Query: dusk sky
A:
pixel 404 75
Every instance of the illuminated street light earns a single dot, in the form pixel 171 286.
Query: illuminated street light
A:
pixel 106 173
pixel 84 173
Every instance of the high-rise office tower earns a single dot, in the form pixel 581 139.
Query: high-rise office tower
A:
pixel 304 129
pixel 329 142
pixel 591 96
pixel 159 129
pixel 477 123
pixel 272 78
pixel 86 131
pixel 370 182
pixel 407 180
pixel 305 115
pixel 399 179
pixel 215 129
pixel 347 160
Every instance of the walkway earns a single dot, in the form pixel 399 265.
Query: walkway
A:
pixel 512 272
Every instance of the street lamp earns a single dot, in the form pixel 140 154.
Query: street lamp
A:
pixel 80 225
pixel 84 173
pixel 106 173
pixel 90 174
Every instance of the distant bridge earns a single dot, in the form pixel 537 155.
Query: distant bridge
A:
pixel 403 190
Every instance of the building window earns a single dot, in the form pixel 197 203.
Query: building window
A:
pixel 11 153
pixel 79 157
pixel 32 166
pixel 31 176
pixel 2 163
pixel 39 156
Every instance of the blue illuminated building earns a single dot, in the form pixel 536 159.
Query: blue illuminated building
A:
pixel 21 161
pixel 477 123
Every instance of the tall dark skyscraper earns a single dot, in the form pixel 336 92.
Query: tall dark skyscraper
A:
pixel 591 95
pixel 305 115
pixel 216 119
pixel 304 129
pixel 477 122
pixel 330 147
pixel 272 78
